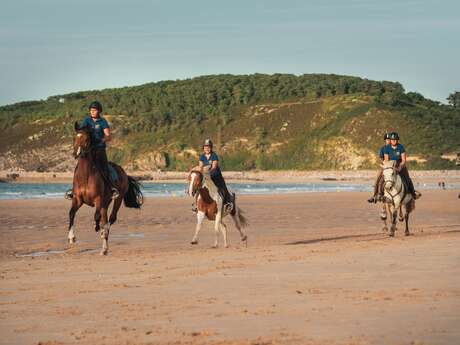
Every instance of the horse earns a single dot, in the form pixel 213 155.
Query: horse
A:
pixel 90 188
pixel 210 206
pixel 395 198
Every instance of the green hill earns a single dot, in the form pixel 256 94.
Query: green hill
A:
pixel 280 121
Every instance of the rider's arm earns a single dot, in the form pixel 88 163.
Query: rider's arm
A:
pixel 107 135
pixel 403 161
pixel 386 157
pixel 214 166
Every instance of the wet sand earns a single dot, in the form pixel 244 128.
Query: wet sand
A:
pixel 317 270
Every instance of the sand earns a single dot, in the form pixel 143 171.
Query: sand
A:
pixel 317 270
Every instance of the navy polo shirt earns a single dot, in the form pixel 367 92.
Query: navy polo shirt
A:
pixel 97 133
pixel 208 161
pixel 394 154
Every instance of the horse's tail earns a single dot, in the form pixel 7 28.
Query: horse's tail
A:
pixel 133 197
pixel 243 220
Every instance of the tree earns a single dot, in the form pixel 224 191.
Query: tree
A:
pixel 454 99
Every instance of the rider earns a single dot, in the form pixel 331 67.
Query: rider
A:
pixel 395 151
pixel 100 135
pixel 378 188
pixel 209 158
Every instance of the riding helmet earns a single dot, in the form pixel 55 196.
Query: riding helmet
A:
pixel 394 136
pixel 386 136
pixel 96 105
pixel 208 142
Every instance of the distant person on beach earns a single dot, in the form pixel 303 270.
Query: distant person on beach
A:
pixel 100 135
pixel 396 152
pixel 209 158
pixel 378 186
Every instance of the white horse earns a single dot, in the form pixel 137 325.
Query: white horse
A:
pixel 210 205
pixel 396 197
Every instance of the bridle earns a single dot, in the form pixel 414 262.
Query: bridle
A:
pixel 200 184
pixel 392 183
pixel 82 152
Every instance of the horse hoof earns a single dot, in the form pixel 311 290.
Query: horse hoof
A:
pixel 215 246
pixel 407 233
pixel 392 234
pixel 194 242
pixel 385 229
pixel 244 238
pixel 103 252
pixel 72 240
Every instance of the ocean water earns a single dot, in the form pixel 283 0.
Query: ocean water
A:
pixel 56 190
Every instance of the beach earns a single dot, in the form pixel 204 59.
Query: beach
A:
pixel 317 269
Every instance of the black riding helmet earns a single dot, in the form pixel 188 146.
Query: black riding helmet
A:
pixel 394 136
pixel 386 136
pixel 96 105
pixel 208 142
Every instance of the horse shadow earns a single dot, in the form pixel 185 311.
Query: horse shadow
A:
pixel 370 237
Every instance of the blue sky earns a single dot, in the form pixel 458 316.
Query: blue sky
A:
pixel 50 47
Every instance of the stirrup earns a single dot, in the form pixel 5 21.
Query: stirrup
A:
pixel 372 200
pixel 68 194
pixel 115 193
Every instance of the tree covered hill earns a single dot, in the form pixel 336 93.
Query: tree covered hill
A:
pixel 280 121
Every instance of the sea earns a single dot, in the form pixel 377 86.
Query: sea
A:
pixel 154 190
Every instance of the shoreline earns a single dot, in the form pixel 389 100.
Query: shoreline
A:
pixel 280 176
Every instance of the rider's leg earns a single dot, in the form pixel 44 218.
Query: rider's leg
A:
pixel 102 163
pixel 404 173
pixel 218 179
pixel 376 187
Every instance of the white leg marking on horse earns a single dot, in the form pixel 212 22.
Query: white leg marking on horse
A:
pixel 217 228
pixel 223 228
pixel 105 239
pixel 199 221
pixel 71 235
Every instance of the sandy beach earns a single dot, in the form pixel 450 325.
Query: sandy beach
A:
pixel 317 270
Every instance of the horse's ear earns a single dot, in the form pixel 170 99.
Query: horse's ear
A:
pixel 77 126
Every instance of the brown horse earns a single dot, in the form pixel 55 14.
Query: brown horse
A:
pixel 209 205
pixel 90 188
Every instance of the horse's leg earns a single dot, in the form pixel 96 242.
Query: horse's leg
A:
pixel 223 229
pixel 236 220
pixel 217 227
pixel 199 221
pixel 116 206
pixel 385 212
pixel 394 215
pixel 401 216
pixel 76 204
pixel 105 230
pixel 406 217
pixel 97 214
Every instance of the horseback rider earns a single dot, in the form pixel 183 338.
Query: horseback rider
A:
pixel 210 158
pixel 378 186
pixel 100 135
pixel 395 151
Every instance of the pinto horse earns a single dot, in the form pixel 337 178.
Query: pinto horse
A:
pixel 210 205
pixel 90 188
pixel 396 197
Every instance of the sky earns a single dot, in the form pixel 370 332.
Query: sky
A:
pixel 50 47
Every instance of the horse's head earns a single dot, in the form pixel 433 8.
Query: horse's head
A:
pixel 195 181
pixel 389 174
pixel 82 141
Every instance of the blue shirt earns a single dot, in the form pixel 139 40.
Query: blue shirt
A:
pixel 382 152
pixel 97 133
pixel 394 154
pixel 206 161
